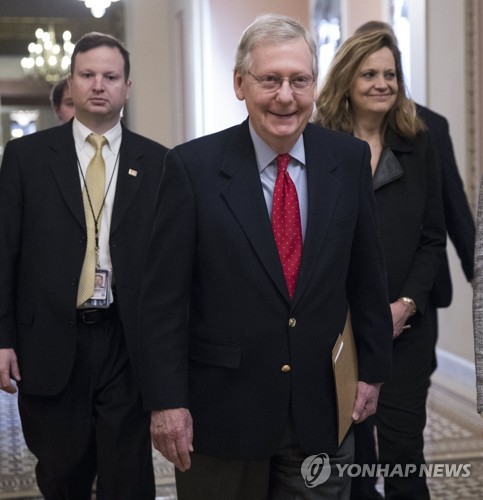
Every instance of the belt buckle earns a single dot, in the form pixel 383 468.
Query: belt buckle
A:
pixel 84 313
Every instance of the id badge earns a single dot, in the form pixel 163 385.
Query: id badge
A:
pixel 101 298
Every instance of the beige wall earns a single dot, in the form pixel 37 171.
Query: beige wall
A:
pixel 356 13
pixel 446 85
pixel 149 110
pixel 230 18
pixel 157 99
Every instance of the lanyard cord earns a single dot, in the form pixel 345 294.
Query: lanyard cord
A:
pixel 96 219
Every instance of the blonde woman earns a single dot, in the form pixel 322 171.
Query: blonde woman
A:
pixel 364 95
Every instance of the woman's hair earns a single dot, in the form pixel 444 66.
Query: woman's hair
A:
pixel 272 29
pixel 333 106
pixel 375 26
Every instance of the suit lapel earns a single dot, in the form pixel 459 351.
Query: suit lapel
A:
pixel 64 167
pixel 129 177
pixel 63 163
pixel 323 191
pixel 244 196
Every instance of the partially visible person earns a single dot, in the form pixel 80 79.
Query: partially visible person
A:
pixel 264 236
pixel 478 304
pixel 364 95
pixel 460 227
pixel 77 200
pixel 459 220
pixel 61 100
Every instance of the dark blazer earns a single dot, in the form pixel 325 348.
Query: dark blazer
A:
pixel 43 241
pixel 217 323
pixel 408 194
pixel 458 217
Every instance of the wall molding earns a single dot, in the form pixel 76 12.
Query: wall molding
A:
pixel 474 98
pixel 455 373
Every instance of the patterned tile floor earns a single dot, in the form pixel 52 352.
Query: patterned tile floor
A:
pixel 17 464
pixel 454 435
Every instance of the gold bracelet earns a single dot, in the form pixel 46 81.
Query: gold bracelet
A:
pixel 409 302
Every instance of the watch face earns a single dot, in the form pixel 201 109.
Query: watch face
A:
pixel 409 302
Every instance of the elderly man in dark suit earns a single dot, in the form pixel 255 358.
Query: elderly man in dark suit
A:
pixel 76 201
pixel 272 238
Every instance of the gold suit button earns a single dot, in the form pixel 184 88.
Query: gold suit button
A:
pixel 292 322
pixel 286 368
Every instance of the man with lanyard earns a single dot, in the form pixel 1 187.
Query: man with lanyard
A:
pixel 76 201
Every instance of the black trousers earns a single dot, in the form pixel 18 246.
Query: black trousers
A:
pixel 95 427
pixel 401 416
pixel 401 413
pixel 363 487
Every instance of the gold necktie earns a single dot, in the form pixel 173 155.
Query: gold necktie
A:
pixel 93 196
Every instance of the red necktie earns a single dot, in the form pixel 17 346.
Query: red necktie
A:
pixel 286 226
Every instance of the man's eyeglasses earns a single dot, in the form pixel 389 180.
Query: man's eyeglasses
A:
pixel 298 83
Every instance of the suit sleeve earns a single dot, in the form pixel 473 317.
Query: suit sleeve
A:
pixel 10 227
pixel 432 242
pixel 165 292
pixel 459 219
pixel 367 289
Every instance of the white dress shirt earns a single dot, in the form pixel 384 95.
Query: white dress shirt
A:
pixel 110 152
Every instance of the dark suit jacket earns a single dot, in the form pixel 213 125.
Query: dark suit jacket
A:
pixel 458 217
pixel 43 241
pixel 215 321
pixel 413 234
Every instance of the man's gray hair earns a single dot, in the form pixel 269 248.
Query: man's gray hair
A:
pixel 272 29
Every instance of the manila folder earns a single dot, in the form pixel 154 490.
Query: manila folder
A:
pixel 344 363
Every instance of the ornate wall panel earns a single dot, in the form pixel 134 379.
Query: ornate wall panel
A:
pixel 474 98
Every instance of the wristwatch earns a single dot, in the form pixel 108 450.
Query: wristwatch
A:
pixel 409 302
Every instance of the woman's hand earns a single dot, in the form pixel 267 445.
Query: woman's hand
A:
pixel 401 312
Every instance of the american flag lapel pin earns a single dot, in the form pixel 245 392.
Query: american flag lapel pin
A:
pixel 132 172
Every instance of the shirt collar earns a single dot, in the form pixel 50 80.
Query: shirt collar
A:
pixel 81 132
pixel 265 155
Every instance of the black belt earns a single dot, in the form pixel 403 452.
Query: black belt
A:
pixel 91 316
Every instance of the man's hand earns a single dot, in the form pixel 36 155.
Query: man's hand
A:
pixel 366 401
pixel 172 435
pixel 8 370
